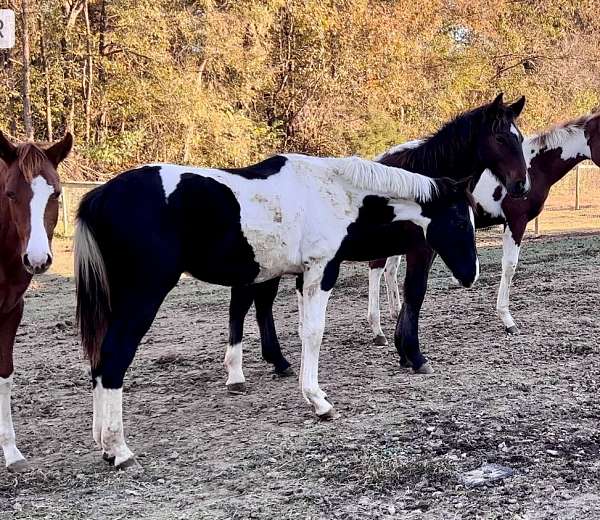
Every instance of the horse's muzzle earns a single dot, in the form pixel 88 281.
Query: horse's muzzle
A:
pixel 37 266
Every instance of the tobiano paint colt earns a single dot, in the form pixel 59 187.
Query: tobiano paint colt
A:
pixel 290 214
pixel 485 137
pixel 549 156
pixel 29 189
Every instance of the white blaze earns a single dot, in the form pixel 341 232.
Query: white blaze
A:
pixel 38 248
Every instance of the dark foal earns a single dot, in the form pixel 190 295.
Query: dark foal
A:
pixel 480 139
pixel 29 189
pixel 549 156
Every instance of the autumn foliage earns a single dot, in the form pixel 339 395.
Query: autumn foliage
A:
pixel 228 82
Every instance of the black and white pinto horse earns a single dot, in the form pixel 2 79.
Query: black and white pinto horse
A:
pixel 483 138
pixel 290 214
pixel 549 156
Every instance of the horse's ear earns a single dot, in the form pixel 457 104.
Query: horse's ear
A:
pixel 450 189
pixel 8 151
pixel 59 151
pixel 496 105
pixel 464 183
pixel 517 107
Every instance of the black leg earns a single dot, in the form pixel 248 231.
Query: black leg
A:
pixel 133 311
pixel 264 296
pixel 239 305
pixel 406 339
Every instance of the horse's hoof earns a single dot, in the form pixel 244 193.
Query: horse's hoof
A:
pixel 425 368
pixel 512 330
pixel 380 340
pixel 328 415
pixel 108 458
pixel 289 371
pixel 19 466
pixel 237 389
pixel 130 465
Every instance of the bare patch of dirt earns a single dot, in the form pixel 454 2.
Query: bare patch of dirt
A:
pixel 528 402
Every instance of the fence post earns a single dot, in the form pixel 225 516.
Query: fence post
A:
pixel 577 187
pixel 65 210
pixel 537 226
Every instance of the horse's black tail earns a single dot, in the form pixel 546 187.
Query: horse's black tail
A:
pixel 91 280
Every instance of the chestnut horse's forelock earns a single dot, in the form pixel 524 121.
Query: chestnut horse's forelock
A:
pixel 30 159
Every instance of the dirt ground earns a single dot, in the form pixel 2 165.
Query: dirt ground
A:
pixel 528 402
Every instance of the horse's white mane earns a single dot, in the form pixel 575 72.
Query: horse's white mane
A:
pixel 556 136
pixel 388 181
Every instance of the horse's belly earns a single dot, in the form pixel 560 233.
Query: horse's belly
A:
pixel 275 250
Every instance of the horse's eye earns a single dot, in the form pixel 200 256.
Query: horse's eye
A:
pixel 11 195
pixel 502 139
pixel 55 195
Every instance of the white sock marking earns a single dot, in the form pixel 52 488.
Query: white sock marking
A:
pixel 390 275
pixel 7 431
pixel 233 364
pixel 315 307
pixel 373 312
pixel 510 258
pixel 113 437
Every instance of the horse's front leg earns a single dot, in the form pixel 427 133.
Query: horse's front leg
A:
pixel 418 264
pixel 9 323
pixel 314 299
pixel 239 305
pixel 511 242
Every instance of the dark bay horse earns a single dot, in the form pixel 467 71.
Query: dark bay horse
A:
pixel 29 190
pixel 290 214
pixel 549 156
pixel 483 138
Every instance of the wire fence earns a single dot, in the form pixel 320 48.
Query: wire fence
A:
pixel 573 204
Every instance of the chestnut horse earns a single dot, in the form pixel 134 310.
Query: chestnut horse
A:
pixel 30 188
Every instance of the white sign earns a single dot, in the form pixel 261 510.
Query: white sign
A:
pixel 7 28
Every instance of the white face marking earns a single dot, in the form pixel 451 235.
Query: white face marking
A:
pixel 38 248
pixel 515 131
pixel 472 218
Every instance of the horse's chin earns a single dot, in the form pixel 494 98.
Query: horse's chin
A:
pixel 36 270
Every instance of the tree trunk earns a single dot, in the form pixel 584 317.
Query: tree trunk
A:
pixel 70 11
pixel 44 59
pixel 90 72
pixel 26 85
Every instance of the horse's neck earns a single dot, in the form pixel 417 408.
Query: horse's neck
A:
pixel 434 161
pixel 552 164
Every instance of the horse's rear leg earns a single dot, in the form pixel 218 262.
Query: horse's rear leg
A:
pixel 131 318
pixel 9 323
pixel 264 296
pixel 373 313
